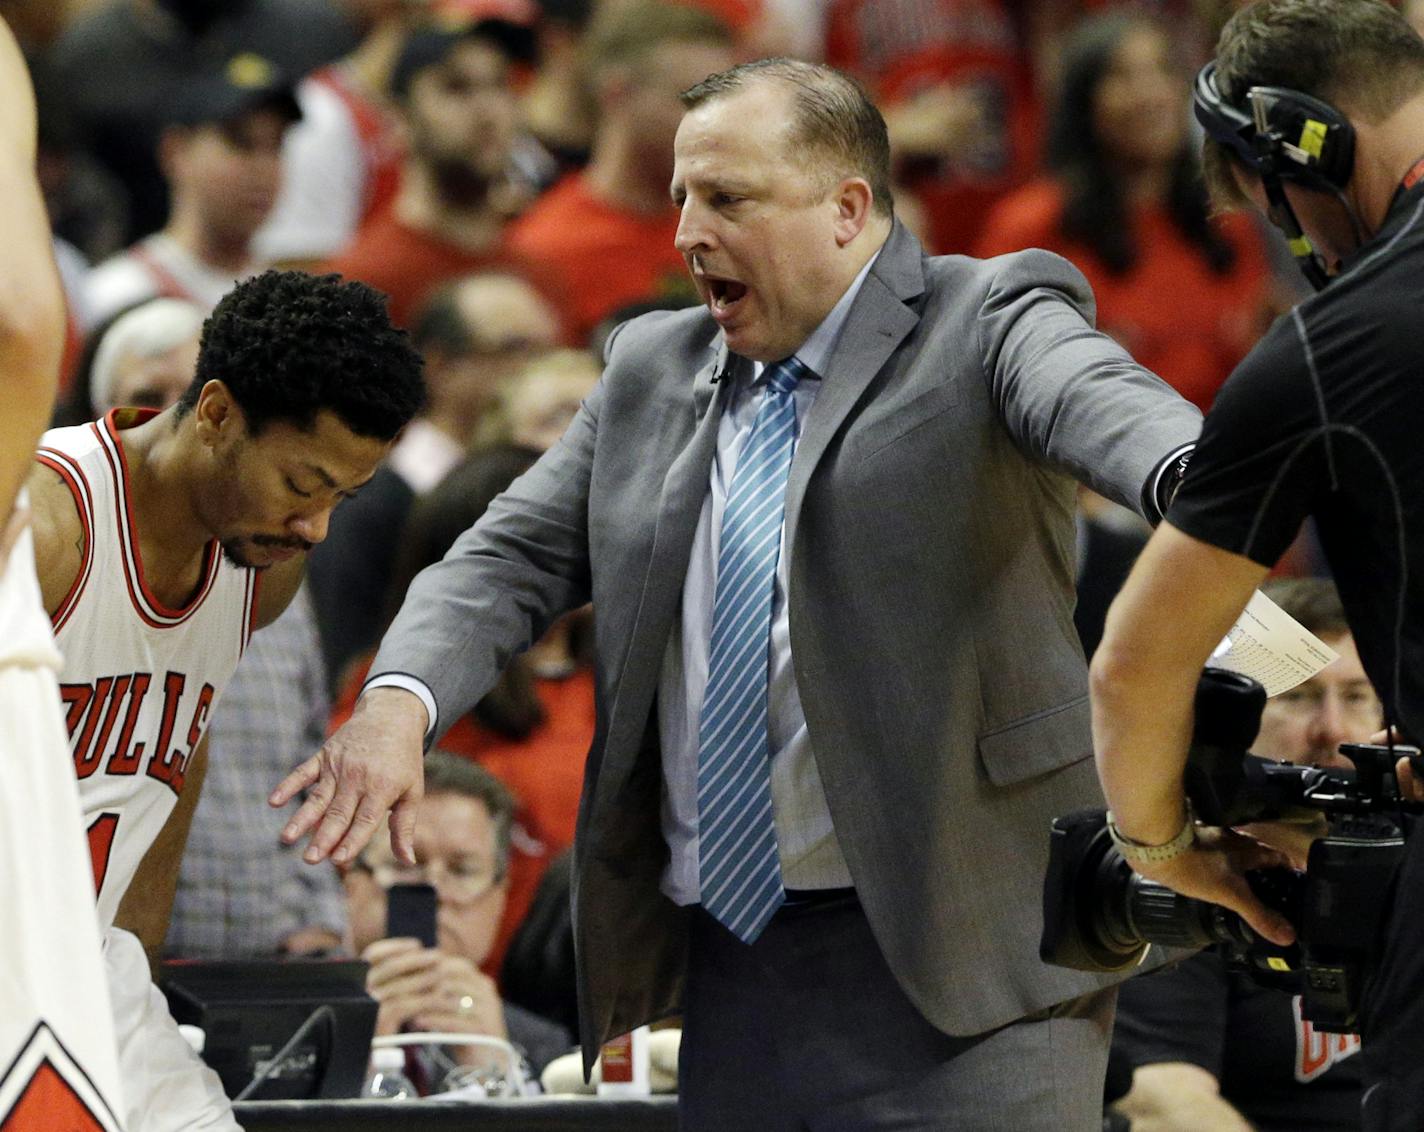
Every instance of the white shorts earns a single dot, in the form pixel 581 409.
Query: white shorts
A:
pixel 166 1084
pixel 58 1067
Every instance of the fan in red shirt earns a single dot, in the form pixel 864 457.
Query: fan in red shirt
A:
pixel 608 231
pixel 449 217
pixel 954 80
pixel 1186 294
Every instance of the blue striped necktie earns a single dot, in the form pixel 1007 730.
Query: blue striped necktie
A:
pixel 738 866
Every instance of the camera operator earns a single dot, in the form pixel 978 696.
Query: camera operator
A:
pixel 1314 110
pixel 1209 1049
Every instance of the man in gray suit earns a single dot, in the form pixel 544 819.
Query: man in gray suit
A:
pixel 840 693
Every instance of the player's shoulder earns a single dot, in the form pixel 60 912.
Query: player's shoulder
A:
pixel 61 532
pixel 1273 379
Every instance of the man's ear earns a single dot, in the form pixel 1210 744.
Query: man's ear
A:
pixel 217 416
pixel 853 202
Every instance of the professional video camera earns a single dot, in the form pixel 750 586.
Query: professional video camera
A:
pixel 1099 915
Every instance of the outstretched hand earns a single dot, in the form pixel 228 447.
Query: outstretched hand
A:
pixel 370 765
pixel 1215 868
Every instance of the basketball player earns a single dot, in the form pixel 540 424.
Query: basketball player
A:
pixel 163 540
pixel 58 1066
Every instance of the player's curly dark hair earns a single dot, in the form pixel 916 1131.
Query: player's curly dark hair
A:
pixel 288 345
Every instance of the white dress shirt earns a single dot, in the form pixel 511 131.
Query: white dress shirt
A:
pixel 810 855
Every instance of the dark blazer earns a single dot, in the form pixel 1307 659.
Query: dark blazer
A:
pixel 930 525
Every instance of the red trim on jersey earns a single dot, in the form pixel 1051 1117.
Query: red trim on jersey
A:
pixel 149 608
pixel 381 151
pixel 69 471
pixel 249 613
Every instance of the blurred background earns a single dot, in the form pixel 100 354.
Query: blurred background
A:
pixel 500 169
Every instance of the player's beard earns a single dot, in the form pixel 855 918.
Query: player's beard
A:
pixel 234 549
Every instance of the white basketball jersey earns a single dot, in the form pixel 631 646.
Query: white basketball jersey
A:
pixel 58 1053
pixel 139 680
pixel 25 636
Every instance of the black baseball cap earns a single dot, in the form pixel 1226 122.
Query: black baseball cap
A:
pixel 432 44
pixel 244 83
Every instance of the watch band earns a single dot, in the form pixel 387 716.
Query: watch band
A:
pixel 1135 852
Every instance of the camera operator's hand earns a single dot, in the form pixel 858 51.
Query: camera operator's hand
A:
pixel 1293 838
pixel 1214 869
pixel 1411 787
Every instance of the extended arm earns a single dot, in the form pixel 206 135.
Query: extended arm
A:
pixel 498 589
pixel 1071 395
pixel 1180 600
pixel 31 301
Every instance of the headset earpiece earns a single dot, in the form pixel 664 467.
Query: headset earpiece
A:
pixel 1286 136
pixel 1279 132
pixel 1305 140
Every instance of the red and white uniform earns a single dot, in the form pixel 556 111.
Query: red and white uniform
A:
pixel 139 679
pixel 58 1060
pixel 138 687
pixel 340 166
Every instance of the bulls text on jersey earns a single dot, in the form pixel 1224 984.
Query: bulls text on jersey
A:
pixel 93 710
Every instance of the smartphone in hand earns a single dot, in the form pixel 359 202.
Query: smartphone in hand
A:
pixel 410 912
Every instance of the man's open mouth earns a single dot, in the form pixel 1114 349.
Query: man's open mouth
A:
pixel 724 292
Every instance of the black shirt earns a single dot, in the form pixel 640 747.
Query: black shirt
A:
pixel 1326 418
pixel 1273 1067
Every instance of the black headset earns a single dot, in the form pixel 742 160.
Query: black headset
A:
pixel 1282 135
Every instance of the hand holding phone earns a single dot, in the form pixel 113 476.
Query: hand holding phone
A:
pixel 410 912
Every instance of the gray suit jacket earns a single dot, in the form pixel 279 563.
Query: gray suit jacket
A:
pixel 930 525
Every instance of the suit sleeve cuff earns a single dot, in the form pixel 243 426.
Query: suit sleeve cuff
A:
pixel 411 684
pixel 1162 485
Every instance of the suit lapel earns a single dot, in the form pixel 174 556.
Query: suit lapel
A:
pixel 878 322
pixel 679 506
pixel 708 379
pixel 686 483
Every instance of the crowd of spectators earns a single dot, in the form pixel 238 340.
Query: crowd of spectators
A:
pixel 500 169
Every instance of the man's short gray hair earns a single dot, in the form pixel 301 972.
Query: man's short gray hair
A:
pixel 146 331
pixel 834 119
